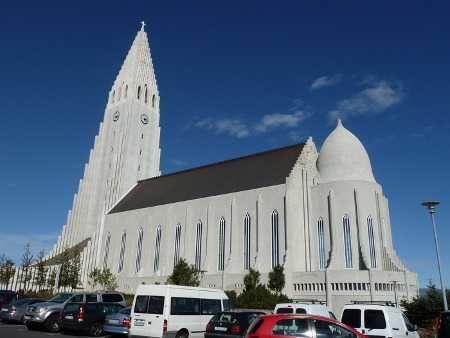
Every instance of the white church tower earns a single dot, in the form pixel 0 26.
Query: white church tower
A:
pixel 125 150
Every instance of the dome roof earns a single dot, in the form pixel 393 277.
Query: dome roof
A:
pixel 344 158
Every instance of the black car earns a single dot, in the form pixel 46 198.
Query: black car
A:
pixel 230 324
pixel 443 325
pixel 86 317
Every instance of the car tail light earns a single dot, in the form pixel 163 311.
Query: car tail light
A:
pixel 208 327
pixel 165 325
pixel 13 309
pixel 126 322
pixel 439 322
pixel 60 314
pixel 81 312
pixel 236 329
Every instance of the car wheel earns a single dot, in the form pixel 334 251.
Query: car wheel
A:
pixel 182 334
pixel 96 329
pixel 23 320
pixel 32 326
pixel 51 324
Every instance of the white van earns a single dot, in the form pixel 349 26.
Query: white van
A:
pixel 378 320
pixel 175 311
pixel 312 308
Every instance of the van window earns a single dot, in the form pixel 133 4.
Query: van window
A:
pixel 185 306
pixel 409 326
pixel 227 305
pixel 149 304
pixel 112 297
pixel 91 297
pixel 300 310
pixel 351 317
pixel 374 319
pixel 210 306
pixel 285 310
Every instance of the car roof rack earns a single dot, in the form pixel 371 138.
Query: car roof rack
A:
pixel 375 302
pixel 312 301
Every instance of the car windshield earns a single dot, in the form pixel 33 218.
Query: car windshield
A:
pixel 20 302
pixel 61 298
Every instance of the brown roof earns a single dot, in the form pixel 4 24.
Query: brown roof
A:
pixel 250 172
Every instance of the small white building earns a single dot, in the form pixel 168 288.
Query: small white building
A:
pixel 320 215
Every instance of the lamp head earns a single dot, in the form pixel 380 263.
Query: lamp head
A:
pixel 431 205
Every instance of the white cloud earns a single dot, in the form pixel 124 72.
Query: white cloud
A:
pixel 233 127
pixel 325 81
pixel 12 245
pixel 372 100
pixel 273 121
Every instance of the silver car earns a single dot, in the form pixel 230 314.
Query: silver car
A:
pixel 14 312
pixel 118 323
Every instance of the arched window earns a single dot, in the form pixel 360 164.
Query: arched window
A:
pixel 153 100
pixel 157 249
pixel 176 254
pixel 198 245
pixel 247 239
pixel 275 239
pixel 321 244
pixel 221 265
pixel 146 94
pixel 126 92
pixel 139 250
pixel 122 251
pixel 106 253
pixel 373 255
pixel 139 93
pixel 347 242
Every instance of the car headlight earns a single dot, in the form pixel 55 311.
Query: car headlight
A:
pixel 42 309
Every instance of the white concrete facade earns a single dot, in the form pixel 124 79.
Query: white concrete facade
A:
pixel 327 223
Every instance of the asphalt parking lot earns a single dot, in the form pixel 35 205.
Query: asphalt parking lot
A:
pixel 11 330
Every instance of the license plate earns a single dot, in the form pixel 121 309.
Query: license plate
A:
pixel 26 317
pixel 69 317
pixel 138 323
pixel 4 310
pixel 220 328
pixel 114 321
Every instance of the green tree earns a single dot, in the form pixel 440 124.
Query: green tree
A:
pixel 27 260
pixel 107 280
pixel 276 279
pixel 7 270
pixel 423 311
pixel 74 268
pixel 41 270
pixel 184 274
pixel 94 277
pixel 251 280
pixel 51 280
pixel 64 272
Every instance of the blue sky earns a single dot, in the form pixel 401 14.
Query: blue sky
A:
pixel 235 78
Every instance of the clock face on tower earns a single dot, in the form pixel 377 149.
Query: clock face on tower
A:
pixel 116 116
pixel 144 118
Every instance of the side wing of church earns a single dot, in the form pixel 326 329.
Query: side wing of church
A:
pixel 320 215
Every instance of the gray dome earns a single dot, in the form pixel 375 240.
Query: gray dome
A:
pixel 343 158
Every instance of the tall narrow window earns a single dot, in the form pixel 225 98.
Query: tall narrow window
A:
pixel 122 251
pixel 157 249
pixel 105 255
pixel 373 256
pixel 347 242
pixel 247 242
pixel 221 265
pixel 198 245
pixel 321 243
pixel 275 239
pixel 176 254
pixel 139 250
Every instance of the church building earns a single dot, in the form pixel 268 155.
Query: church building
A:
pixel 321 215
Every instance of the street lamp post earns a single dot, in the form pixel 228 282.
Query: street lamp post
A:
pixel 431 206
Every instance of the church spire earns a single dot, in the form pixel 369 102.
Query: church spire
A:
pixel 136 78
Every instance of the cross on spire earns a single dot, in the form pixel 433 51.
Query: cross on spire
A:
pixel 143 25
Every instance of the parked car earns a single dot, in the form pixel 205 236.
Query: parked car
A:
pixel 230 324
pixel 7 296
pixel 379 319
pixel 46 315
pixel 443 325
pixel 14 312
pixel 118 323
pixel 86 317
pixel 300 326
pixel 311 308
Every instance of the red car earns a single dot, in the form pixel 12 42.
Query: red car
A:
pixel 297 325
